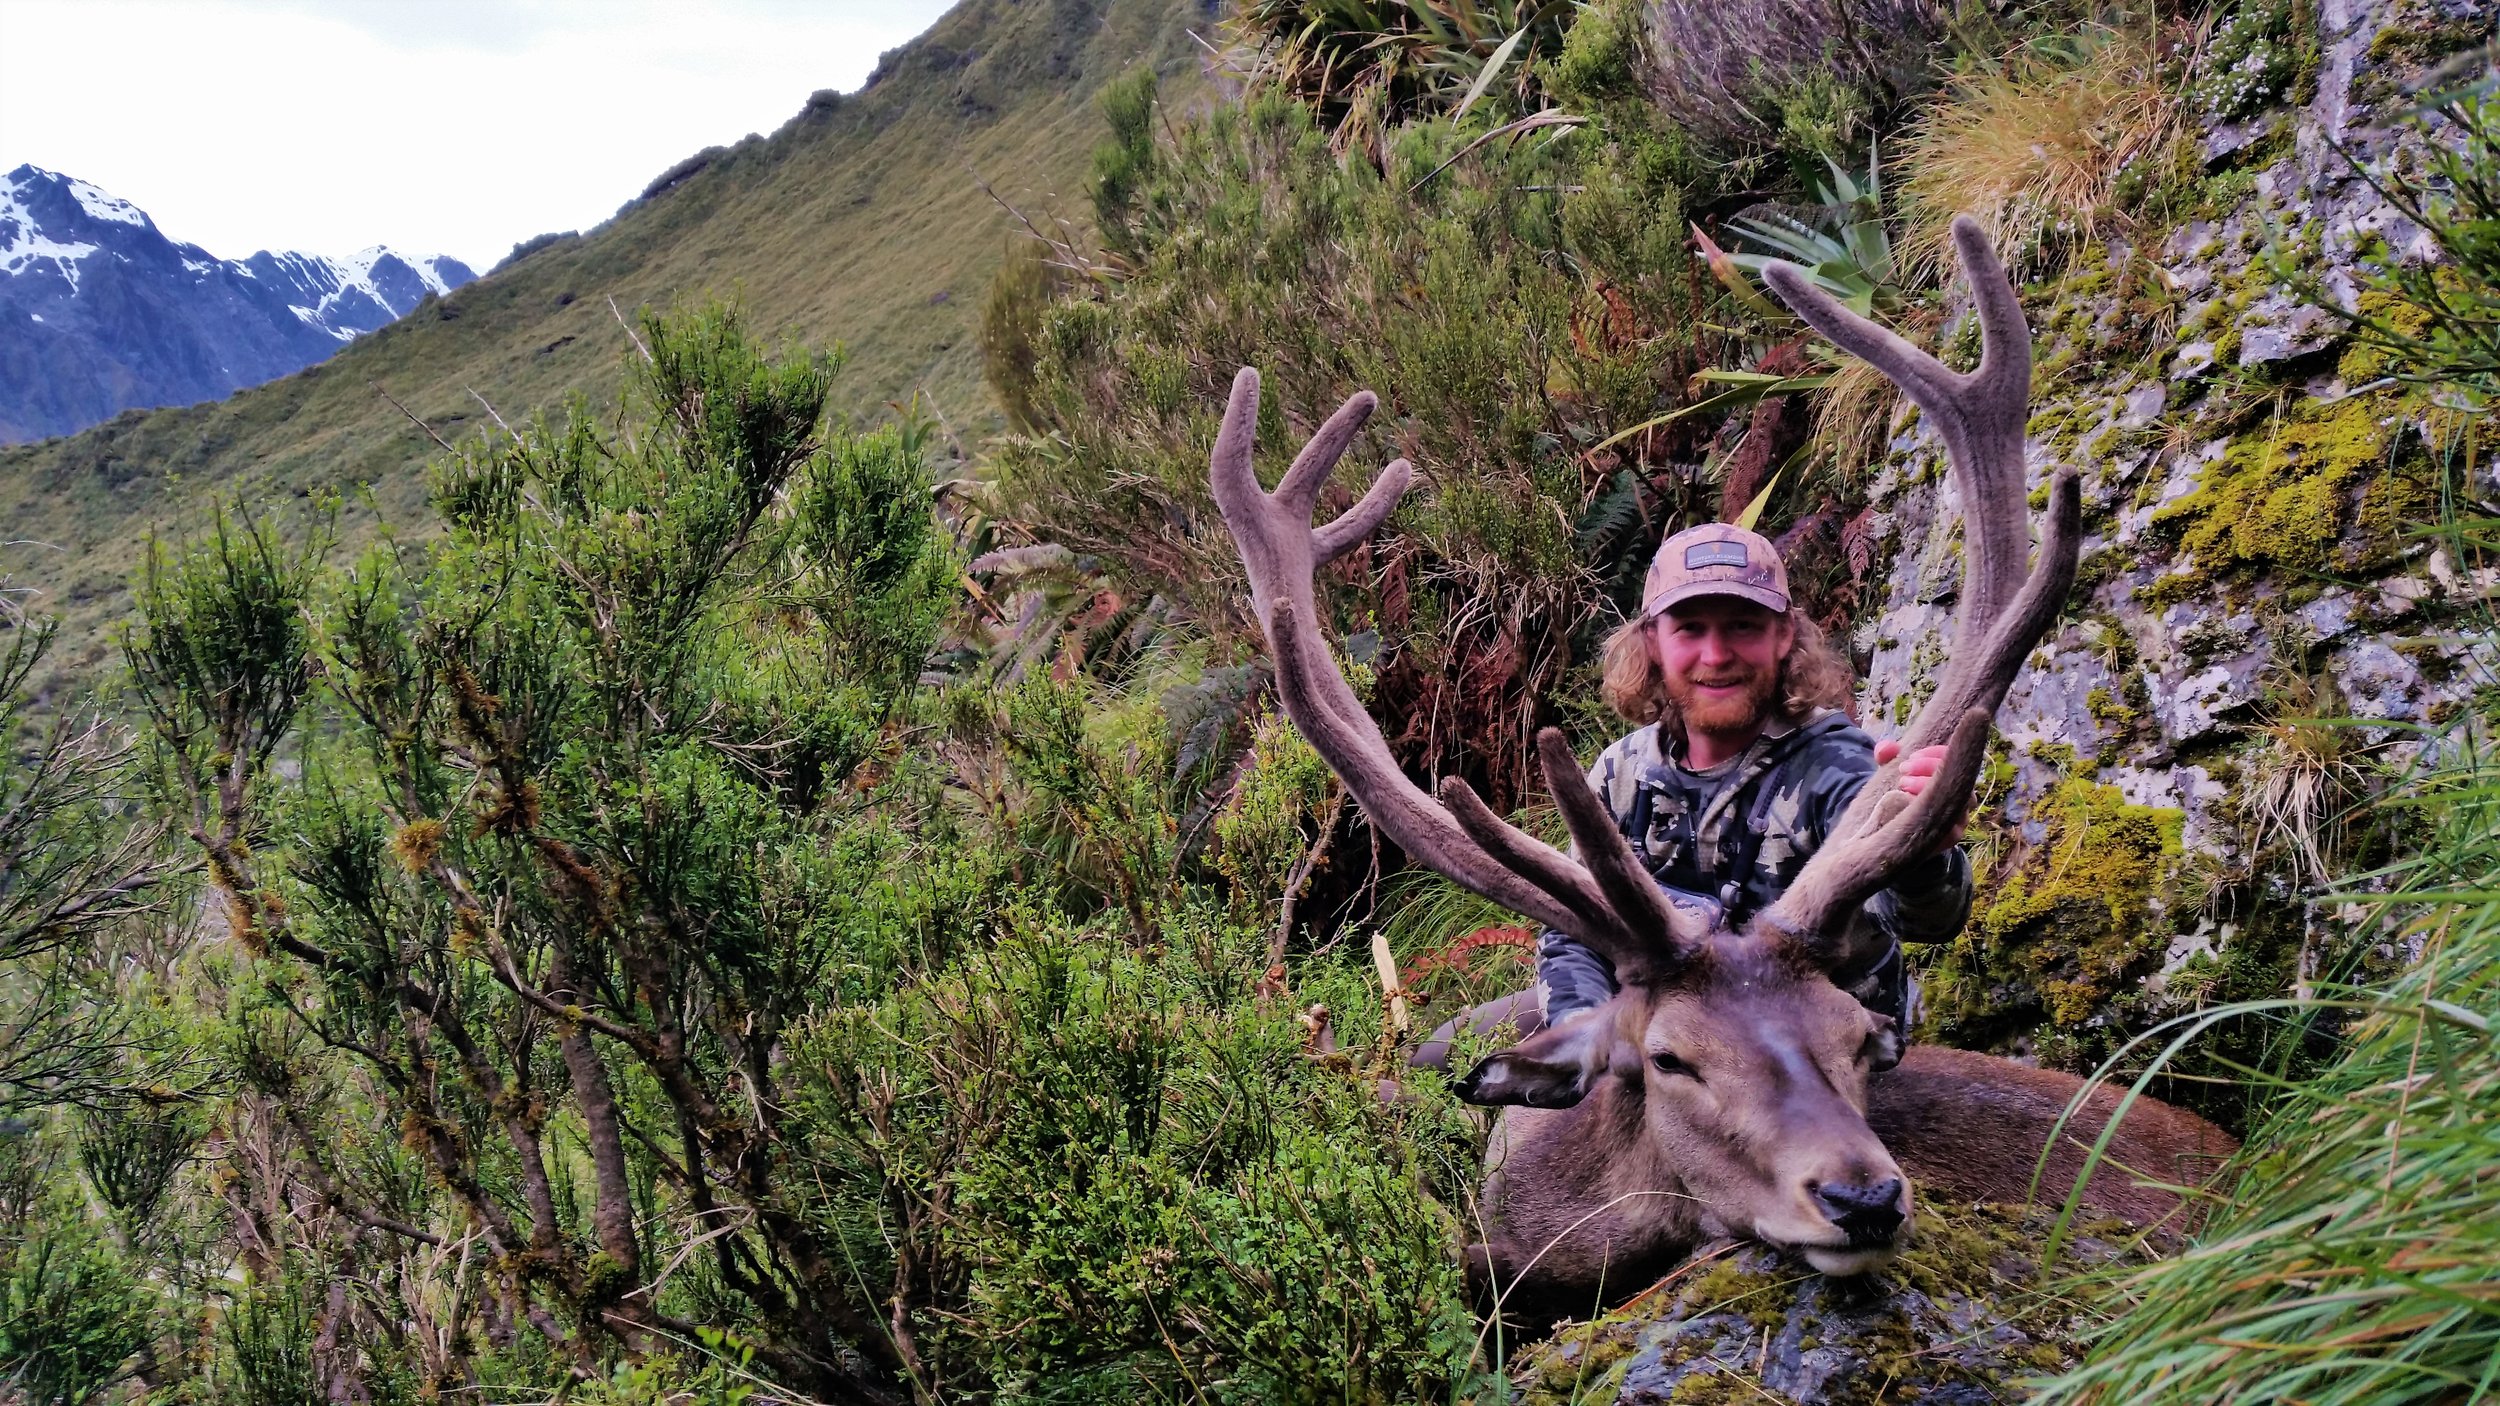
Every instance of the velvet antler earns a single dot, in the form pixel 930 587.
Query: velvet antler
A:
pixel 2006 604
pixel 1604 898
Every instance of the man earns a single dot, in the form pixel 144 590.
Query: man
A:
pixel 1744 763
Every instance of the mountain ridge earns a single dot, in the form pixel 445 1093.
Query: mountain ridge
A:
pixel 866 217
pixel 102 312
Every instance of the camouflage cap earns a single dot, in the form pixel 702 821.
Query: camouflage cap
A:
pixel 1715 559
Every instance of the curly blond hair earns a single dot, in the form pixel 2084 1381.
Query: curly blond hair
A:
pixel 1813 677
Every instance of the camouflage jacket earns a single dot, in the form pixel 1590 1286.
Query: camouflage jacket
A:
pixel 1738 834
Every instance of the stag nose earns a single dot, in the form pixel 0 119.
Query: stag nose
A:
pixel 1869 1214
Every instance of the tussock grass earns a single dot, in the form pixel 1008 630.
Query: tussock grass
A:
pixel 2306 777
pixel 2032 145
pixel 2357 1262
pixel 1853 417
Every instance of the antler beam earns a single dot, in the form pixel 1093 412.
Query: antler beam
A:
pixel 2008 599
pixel 1610 903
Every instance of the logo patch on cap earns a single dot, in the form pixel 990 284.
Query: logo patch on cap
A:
pixel 1701 554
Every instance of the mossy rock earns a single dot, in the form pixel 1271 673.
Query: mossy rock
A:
pixel 1961 1317
pixel 2065 934
pixel 2282 495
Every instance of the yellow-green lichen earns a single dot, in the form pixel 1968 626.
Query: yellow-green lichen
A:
pixel 1729 1286
pixel 2067 928
pixel 2108 709
pixel 1739 1328
pixel 2369 358
pixel 2397 504
pixel 2279 496
pixel 2076 916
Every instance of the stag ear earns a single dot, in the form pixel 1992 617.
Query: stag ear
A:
pixel 1554 1068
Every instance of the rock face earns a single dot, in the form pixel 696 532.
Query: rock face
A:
pixel 1958 1320
pixel 101 313
pixel 2162 799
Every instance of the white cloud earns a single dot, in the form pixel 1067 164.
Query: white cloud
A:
pixel 434 126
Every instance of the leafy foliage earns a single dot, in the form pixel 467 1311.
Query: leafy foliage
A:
pixel 2439 323
pixel 1364 63
pixel 71 1308
pixel 1841 242
pixel 1113 1179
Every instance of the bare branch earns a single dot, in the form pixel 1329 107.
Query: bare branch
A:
pixel 442 443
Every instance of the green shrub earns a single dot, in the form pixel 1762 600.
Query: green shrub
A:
pixel 71 1312
pixel 1104 1175
pixel 559 850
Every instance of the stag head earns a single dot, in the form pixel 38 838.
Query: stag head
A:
pixel 1748 1063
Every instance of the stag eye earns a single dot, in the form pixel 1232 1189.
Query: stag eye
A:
pixel 1667 1063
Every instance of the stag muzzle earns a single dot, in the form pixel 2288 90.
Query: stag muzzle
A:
pixel 1866 1221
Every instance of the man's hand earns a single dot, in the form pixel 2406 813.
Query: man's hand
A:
pixel 1915 774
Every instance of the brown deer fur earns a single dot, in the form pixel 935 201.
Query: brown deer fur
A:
pixel 1726 1090
pixel 1590 1202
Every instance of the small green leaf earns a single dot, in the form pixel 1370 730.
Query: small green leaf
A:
pixel 1753 510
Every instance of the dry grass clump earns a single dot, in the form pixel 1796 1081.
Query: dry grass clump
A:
pixel 2307 777
pixel 2033 146
pixel 1853 416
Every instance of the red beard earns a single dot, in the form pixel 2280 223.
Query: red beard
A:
pixel 1722 712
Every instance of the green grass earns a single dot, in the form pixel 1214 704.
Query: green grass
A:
pixel 2357 1260
pixel 862 221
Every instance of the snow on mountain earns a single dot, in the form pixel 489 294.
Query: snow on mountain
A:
pixel 106 207
pixel 101 313
pixel 23 242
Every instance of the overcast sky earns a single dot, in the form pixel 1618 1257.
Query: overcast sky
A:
pixel 458 127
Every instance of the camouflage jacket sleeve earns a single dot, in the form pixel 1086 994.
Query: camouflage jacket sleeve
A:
pixel 1931 900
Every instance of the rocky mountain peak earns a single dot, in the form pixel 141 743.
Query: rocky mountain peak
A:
pixel 101 312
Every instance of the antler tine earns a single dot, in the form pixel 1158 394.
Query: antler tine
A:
pixel 1606 853
pixel 1845 873
pixel 1559 874
pixel 1980 416
pixel 1280 550
pixel 2008 599
pixel 1298 490
pixel 1357 523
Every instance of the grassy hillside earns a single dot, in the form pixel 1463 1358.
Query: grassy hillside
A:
pixel 861 220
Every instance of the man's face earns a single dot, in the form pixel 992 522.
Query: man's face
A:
pixel 1721 658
